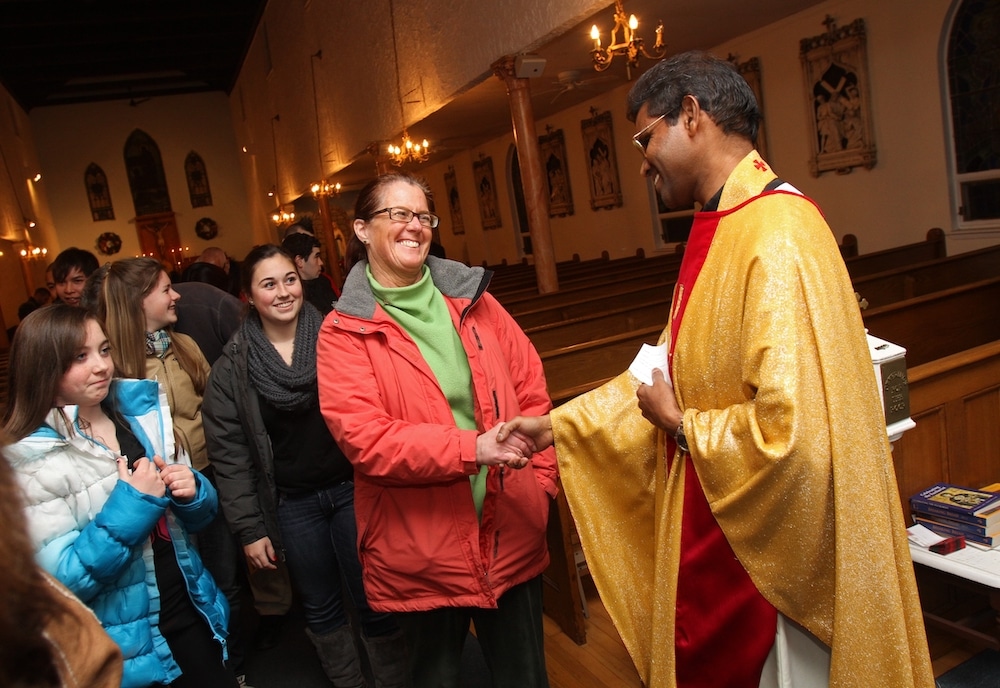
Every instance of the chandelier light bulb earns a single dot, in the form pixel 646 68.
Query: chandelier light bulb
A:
pixel 633 23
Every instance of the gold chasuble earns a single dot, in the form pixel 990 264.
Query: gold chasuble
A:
pixel 787 437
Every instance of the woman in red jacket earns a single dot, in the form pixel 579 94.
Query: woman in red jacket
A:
pixel 418 367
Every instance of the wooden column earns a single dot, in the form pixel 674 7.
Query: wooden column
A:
pixel 532 174
pixel 331 257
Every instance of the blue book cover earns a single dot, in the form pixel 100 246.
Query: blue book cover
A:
pixel 947 531
pixel 960 503
pixel 964 527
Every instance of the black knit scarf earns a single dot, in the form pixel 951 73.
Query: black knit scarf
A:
pixel 289 388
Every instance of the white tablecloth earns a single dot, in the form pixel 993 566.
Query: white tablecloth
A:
pixel 972 563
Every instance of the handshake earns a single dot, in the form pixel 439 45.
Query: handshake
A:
pixel 512 442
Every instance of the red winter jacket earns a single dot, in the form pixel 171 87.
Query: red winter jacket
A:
pixel 420 544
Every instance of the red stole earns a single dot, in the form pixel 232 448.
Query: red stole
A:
pixel 724 626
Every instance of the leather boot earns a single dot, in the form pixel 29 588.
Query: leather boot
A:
pixel 339 657
pixel 388 659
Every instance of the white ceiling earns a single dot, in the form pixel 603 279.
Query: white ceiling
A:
pixel 482 113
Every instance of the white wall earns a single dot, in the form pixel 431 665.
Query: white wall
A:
pixel 71 137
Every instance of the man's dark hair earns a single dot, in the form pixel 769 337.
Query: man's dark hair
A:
pixel 71 258
pixel 300 245
pixel 721 92
pixel 207 273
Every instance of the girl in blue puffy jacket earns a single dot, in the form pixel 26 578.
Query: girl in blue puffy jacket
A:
pixel 109 503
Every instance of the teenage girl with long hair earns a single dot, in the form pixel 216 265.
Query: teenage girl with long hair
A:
pixel 110 501
pixel 137 302
pixel 285 485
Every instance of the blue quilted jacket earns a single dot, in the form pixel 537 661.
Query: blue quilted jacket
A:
pixel 92 531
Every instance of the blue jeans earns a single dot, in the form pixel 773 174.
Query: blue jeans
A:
pixel 320 537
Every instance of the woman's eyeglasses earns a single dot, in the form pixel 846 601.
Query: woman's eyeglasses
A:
pixel 404 215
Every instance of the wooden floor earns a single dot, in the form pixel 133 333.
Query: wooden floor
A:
pixel 603 661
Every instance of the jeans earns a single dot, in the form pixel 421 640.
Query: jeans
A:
pixel 320 537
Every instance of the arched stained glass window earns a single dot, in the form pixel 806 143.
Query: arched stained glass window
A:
pixel 197 180
pixel 146 179
pixel 98 193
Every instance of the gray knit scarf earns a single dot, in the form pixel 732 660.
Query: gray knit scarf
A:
pixel 289 388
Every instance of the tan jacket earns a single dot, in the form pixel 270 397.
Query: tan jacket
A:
pixel 185 402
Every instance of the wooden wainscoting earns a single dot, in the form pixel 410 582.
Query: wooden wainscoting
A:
pixel 955 402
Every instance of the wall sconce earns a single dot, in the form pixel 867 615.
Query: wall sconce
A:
pixel 31 252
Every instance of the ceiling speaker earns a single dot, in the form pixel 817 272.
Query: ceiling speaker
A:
pixel 528 66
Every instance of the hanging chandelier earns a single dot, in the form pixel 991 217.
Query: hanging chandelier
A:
pixel 284 215
pixel 407 151
pixel 631 45
pixel 325 188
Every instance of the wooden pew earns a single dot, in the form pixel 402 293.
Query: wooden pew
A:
pixel 848 246
pixel 522 277
pixel 523 274
pixel 879 261
pixel 601 324
pixel 649 289
pixel 908 281
pixel 598 359
pixel 594 279
pixel 939 324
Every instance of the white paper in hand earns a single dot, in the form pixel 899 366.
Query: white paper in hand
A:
pixel 650 357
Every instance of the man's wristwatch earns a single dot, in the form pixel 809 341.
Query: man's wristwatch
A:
pixel 679 437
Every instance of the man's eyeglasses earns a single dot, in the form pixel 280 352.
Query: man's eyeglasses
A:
pixel 641 137
pixel 405 215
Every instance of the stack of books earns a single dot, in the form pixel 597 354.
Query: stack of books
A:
pixel 951 510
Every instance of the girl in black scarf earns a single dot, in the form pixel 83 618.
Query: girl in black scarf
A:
pixel 286 487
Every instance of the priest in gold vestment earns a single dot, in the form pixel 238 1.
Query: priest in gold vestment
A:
pixel 753 491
